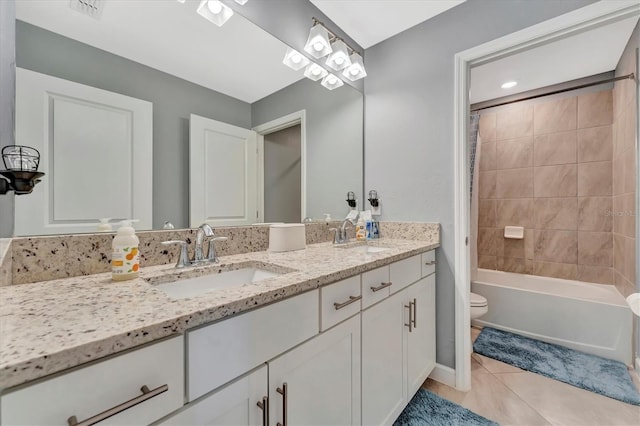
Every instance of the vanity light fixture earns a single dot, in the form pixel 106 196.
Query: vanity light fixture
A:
pixel 21 174
pixel 351 199
pixel 318 44
pixel 339 57
pixel 330 81
pixel 509 84
pixel 356 70
pixel 294 59
pixel 315 72
pixel 214 11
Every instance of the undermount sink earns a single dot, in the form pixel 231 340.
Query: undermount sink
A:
pixel 361 247
pixel 183 288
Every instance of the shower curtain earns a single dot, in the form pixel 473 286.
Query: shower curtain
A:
pixel 475 144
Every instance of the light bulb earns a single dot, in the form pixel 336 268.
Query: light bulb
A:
pixel 316 71
pixel 354 70
pixel 318 46
pixel 296 59
pixel 215 7
pixel 331 79
pixel 339 60
pixel 509 84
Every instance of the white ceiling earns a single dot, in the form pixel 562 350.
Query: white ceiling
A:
pixel 591 52
pixel 368 22
pixel 238 59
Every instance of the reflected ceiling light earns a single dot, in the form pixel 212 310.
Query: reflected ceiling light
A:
pixel 339 58
pixel 181 1
pixel 214 11
pixel 331 82
pixel 509 84
pixel 241 2
pixel 355 71
pixel 315 72
pixel 294 59
pixel 318 44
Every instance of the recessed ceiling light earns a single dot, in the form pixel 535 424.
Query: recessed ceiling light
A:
pixel 509 84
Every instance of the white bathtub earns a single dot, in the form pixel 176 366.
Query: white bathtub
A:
pixel 592 318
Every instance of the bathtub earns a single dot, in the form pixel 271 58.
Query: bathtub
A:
pixel 592 318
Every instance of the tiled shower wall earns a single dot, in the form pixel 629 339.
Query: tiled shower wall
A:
pixel 624 172
pixel 546 165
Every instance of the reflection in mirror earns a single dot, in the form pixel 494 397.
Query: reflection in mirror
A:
pixel 164 56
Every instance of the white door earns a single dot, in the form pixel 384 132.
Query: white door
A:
pixel 96 148
pixel 235 404
pixel 421 341
pixel 383 361
pixel 322 379
pixel 223 185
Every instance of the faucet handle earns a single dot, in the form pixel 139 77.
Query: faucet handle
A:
pixel 212 256
pixel 335 235
pixel 183 259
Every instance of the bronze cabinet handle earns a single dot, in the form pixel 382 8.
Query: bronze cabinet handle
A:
pixel 146 395
pixel 264 406
pixel 351 300
pixel 410 324
pixel 415 310
pixel 283 391
pixel 381 286
pixel 433 262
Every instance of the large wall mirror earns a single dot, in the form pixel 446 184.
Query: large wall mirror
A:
pixel 146 110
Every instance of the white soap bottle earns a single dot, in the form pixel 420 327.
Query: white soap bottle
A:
pixel 125 258
pixel 104 225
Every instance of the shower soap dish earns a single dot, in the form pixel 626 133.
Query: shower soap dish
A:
pixel 514 232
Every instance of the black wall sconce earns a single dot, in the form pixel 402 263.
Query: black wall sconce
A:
pixel 21 174
pixel 373 198
pixel 351 199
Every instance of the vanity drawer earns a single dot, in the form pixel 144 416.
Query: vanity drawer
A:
pixel 405 272
pixel 339 301
pixel 428 263
pixel 88 391
pixel 222 351
pixel 375 286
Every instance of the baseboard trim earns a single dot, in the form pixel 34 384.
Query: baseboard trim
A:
pixel 443 374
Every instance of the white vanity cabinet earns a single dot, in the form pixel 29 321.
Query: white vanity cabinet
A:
pixel 398 343
pixel 110 389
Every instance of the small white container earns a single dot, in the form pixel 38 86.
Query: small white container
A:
pixel 287 237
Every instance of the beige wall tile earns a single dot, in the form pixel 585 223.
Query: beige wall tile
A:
pixel 619 258
pixel 595 144
pixel 630 259
pixel 517 265
pixel 487 241
pixel 595 274
pixel 629 161
pixel 628 223
pixel 515 121
pixel 517 212
pixel 514 153
pixel 554 116
pixel 556 246
pixel 617 214
pixel 487 262
pixel 487 185
pixel 629 130
pixel 595 178
pixel 555 181
pixel 617 174
pixel 556 213
pixel 488 156
pixel 529 244
pixel 487 213
pixel 487 128
pixel 568 271
pixel 555 148
pixel 595 248
pixel 514 183
pixel 514 248
pixel 595 214
pixel 595 109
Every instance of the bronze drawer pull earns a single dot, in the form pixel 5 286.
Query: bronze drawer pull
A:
pixel 381 286
pixel 348 302
pixel 283 391
pixel 264 406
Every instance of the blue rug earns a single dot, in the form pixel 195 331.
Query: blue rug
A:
pixel 428 409
pixel 593 373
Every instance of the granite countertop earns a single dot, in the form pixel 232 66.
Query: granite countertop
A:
pixel 47 327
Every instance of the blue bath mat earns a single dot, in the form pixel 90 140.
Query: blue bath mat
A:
pixel 428 409
pixel 593 373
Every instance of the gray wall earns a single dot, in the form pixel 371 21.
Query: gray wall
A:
pixel 409 94
pixel 334 140
pixel 7 102
pixel 282 182
pixel 173 100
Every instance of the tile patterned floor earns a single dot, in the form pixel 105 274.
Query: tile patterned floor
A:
pixel 511 396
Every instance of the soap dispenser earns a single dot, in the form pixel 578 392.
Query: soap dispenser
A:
pixel 125 258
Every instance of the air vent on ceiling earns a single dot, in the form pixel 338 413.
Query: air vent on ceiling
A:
pixel 91 8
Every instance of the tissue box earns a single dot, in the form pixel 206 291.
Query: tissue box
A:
pixel 287 237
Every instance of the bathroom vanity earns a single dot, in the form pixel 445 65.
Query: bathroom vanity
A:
pixel 337 336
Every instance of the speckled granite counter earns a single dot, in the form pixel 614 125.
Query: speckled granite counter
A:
pixel 52 326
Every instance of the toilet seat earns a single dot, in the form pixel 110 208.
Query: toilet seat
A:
pixel 477 301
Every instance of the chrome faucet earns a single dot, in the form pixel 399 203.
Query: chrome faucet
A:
pixel 340 235
pixel 203 231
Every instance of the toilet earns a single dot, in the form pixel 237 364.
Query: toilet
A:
pixel 479 305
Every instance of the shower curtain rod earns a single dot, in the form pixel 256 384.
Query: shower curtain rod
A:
pixel 555 92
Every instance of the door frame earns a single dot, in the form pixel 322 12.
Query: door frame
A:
pixel 585 18
pixel 289 120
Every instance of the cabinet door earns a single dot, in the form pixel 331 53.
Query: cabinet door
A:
pixel 383 360
pixel 421 341
pixel 234 404
pixel 322 379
